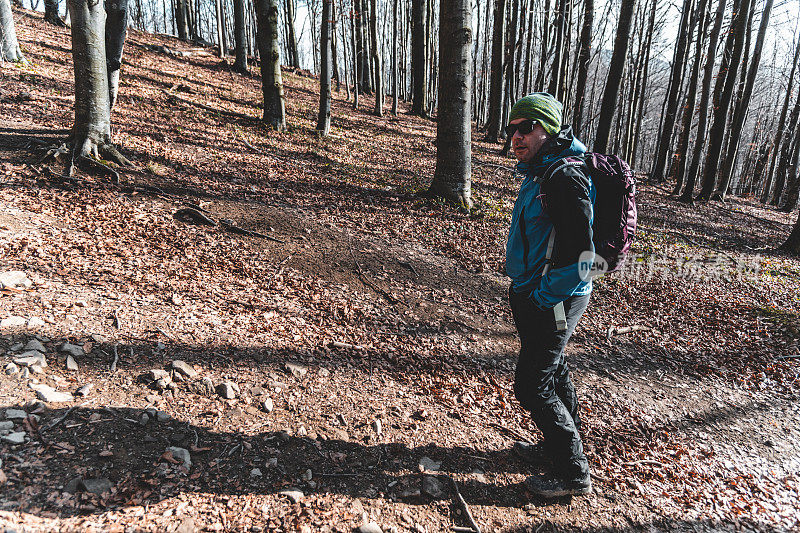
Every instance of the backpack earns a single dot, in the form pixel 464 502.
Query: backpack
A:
pixel 614 223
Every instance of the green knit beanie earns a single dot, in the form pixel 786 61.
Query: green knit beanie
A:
pixel 542 107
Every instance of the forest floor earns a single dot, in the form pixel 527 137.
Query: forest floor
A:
pixel 365 333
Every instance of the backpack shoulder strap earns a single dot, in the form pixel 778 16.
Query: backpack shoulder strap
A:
pixel 561 164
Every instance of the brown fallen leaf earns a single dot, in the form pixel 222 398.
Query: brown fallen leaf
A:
pixel 167 456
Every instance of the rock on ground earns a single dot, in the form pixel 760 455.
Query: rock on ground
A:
pixel 48 394
pixel 15 279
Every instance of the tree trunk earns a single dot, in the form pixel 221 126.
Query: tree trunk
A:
pixel 452 179
pixel 615 71
pixel 539 85
pixel 717 132
pixel 741 111
pixel 645 79
pixel 271 81
pixel 240 37
pixel 794 179
pixel 419 54
pixel 9 46
pixel 682 151
pixel 324 117
pixel 700 137
pixel 116 30
pixel 377 63
pixel 496 84
pixel 779 135
pixel 220 28
pixel 356 62
pixel 395 44
pixel 291 38
pixel 180 18
pixel 676 74
pixel 784 160
pixel 584 55
pixel 792 244
pixel 51 13
pixel 556 71
pixel 91 133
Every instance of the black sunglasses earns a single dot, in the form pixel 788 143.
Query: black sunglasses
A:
pixel 524 127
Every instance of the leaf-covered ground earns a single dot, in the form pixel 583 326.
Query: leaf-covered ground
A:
pixel 390 311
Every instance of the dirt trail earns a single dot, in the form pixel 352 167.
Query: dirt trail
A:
pixel 367 340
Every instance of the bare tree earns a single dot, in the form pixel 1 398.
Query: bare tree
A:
pixel 240 36
pixel 9 46
pixel 419 54
pixel 51 13
pixel 615 71
pixel 676 73
pixel 291 38
pixel 496 83
pixel 741 109
pixel 377 63
pixel 779 134
pixel 717 132
pixel 271 80
pixel 453 177
pixel 324 117
pixel 584 55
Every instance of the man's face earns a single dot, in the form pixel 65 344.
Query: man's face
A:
pixel 526 146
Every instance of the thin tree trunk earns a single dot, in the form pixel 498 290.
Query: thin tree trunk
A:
pixel 419 67
pixel 786 149
pixel 779 133
pixel 271 80
pixel 665 137
pixel 180 19
pixel 700 137
pixel 9 46
pixel 556 70
pixel 377 63
pixel 584 55
pixel 545 44
pixel 716 134
pixel 794 187
pixel 741 111
pixel 496 85
pixel 240 37
pixel 51 13
pixel 395 71
pixel 615 71
pixel 682 151
pixel 453 176
pixel 324 117
pixel 291 37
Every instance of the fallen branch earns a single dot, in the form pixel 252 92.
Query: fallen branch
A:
pixel 63 417
pixel 230 226
pixel 622 330
pixel 648 462
pixel 193 216
pixel 465 508
pixel 113 367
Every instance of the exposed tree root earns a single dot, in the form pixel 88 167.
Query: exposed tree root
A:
pixel 91 157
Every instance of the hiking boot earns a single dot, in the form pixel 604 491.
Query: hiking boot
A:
pixel 548 486
pixel 530 452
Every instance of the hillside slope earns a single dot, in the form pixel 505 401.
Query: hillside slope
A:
pixel 362 330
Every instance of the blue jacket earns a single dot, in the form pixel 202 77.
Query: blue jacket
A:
pixel 570 197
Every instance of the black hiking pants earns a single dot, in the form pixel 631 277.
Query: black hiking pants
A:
pixel 542 382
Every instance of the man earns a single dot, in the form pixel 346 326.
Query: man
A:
pixel 541 289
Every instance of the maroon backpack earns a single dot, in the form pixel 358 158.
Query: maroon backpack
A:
pixel 614 222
